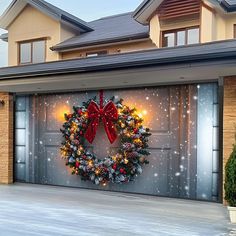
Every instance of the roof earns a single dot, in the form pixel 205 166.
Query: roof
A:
pixel 107 30
pixel 228 5
pixel 56 13
pixel 207 52
pixel 148 7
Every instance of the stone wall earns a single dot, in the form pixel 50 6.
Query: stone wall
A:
pixel 229 118
pixel 6 139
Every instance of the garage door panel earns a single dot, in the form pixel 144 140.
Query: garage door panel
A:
pixel 172 114
pixel 20 171
pixel 160 141
pixel 20 135
pixel 51 139
pixel 20 154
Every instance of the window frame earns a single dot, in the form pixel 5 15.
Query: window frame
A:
pixel 31 48
pixel 234 31
pixel 175 31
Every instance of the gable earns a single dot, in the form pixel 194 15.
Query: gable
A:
pixel 170 9
pixel 167 7
pixel 46 8
pixel 30 21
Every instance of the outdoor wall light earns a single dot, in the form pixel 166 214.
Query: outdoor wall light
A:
pixel 2 103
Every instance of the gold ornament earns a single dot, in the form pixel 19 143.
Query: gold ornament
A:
pixel 142 159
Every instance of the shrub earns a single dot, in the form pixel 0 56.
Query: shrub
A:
pixel 230 179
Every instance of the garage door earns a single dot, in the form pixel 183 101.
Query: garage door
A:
pixel 184 161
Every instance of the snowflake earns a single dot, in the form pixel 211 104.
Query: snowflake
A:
pixel 186 188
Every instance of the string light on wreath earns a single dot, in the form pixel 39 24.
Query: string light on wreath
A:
pixel 120 121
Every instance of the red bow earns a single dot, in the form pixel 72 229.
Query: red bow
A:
pixel 108 115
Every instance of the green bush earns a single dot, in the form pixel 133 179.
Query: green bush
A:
pixel 230 179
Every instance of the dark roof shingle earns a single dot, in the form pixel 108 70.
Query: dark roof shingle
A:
pixel 108 29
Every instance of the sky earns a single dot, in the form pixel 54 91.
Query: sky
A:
pixel 86 10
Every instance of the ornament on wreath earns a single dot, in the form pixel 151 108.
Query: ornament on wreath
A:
pixel 119 121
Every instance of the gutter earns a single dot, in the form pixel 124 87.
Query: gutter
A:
pixel 227 7
pixel 4 37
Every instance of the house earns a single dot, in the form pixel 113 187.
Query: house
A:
pixel 173 60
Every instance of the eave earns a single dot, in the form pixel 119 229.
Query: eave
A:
pixel 100 43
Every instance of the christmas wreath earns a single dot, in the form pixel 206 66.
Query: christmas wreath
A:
pixel 119 121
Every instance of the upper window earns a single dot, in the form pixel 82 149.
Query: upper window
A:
pixel 234 31
pixel 32 52
pixel 95 54
pixel 180 37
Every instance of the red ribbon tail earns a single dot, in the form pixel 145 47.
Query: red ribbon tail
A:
pixel 91 130
pixel 110 130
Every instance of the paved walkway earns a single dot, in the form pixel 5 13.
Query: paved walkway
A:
pixel 32 210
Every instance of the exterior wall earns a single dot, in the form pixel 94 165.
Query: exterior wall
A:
pixel 229 118
pixel 157 27
pixel 220 27
pixel 6 140
pixel 214 25
pixel 230 21
pixel 120 48
pixel 32 24
pixel 207 25
pixel 155 30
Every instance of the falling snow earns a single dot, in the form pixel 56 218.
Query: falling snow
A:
pixel 174 146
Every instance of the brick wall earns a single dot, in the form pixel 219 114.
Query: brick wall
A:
pixel 229 122
pixel 6 139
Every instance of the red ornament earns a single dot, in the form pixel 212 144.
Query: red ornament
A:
pixel 114 167
pixel 122 170
pixel 79 112
pixel 107 114
pixel 77 164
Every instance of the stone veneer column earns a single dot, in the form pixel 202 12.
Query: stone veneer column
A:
pixel 229 117
pixel 6 138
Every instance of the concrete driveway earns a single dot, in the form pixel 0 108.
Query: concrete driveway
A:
pixel 32 210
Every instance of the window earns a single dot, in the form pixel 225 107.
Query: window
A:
pixel 235 31
pixel 32 52
pixel 95 54
pixel 180 37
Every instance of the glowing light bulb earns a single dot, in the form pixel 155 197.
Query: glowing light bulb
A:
pixel 90 163
pixel 140 115
pixel 145 112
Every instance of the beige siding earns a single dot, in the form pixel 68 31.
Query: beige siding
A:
pixel 155 30
pixel 207 25
pixel 32 24
pixel 122 48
